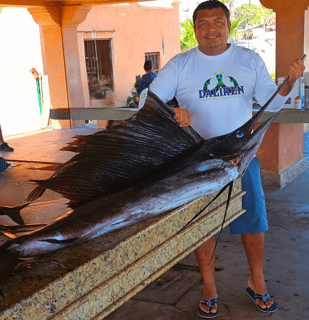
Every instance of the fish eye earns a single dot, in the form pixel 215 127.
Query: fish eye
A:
pixel 239 134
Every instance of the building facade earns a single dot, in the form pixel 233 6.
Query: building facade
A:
pixel 113 43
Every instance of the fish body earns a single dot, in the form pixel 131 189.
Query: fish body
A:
pixel 197 168
pixel 146 199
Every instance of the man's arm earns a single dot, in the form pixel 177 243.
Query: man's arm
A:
pixel 295 71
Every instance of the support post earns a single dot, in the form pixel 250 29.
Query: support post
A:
pixel 281 153
pixel 61 56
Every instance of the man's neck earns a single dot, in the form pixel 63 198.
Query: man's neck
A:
pixel 214 51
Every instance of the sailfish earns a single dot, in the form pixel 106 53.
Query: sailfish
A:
pixel 138 169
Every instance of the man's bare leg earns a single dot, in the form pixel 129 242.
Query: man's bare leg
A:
pixel 254 247
pixel 207 268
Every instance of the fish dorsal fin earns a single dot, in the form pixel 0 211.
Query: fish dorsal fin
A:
pixel 115 158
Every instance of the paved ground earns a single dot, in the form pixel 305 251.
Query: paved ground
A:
pixel 175 295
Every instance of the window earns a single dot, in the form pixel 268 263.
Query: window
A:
pixel 155 58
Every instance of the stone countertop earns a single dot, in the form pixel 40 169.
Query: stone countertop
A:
pixel 91 280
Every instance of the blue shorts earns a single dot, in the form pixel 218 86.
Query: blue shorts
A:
pixel 254 220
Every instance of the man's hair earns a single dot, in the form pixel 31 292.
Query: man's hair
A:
pixel 211 4
pixel 148 65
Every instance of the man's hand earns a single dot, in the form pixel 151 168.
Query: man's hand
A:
pixel 182 116
pixel 295 71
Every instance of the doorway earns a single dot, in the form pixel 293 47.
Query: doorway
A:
pixel 98 59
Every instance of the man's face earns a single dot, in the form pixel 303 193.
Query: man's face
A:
pixel 212 30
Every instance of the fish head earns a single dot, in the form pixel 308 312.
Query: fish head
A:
pixel 247 152
pixel 230 146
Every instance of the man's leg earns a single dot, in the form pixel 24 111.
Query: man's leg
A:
pixel 252 225
pixel 207 268
pixel 254 247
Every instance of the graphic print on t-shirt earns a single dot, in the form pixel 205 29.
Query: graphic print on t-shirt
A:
pixel 232 89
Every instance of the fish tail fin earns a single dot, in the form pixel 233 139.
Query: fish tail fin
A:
pixel 8 261
pixel 14 213
pixel 36 193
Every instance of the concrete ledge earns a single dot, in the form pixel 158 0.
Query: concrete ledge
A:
pixel 286 116
pixel 92 113
pixel 116 113
pixel 278 181
pixel 123 264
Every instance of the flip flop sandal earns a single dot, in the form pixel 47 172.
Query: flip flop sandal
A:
pixel 203 314
pixel 253 296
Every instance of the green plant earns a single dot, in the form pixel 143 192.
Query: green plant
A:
pixel 235 23
pixel 187 35
pixel 257 14
pixel 273 75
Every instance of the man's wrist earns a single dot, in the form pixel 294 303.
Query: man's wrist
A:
pixel 287 88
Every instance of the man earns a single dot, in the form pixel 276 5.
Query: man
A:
pixel 3 145
pixel 214 84
pixel 148 77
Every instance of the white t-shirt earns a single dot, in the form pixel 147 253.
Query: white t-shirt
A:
pixel 217 90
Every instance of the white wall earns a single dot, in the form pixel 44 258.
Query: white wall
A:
pixel 19 52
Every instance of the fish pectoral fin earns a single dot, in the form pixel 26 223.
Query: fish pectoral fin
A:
pixel 64 241
pixel 120 222
pixel 209 165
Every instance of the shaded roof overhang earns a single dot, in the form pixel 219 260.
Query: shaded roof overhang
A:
pixel 59 3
